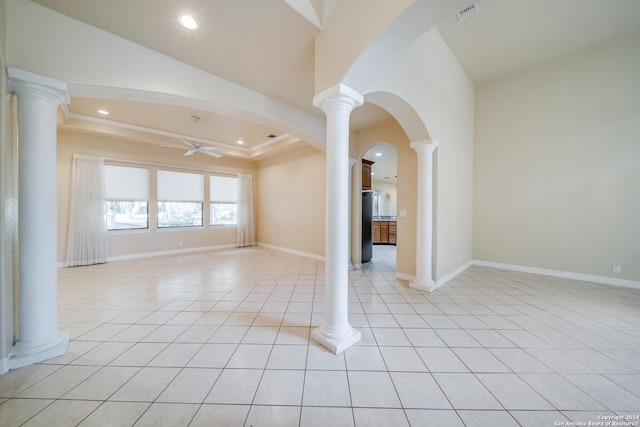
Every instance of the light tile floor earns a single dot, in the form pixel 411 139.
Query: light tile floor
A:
pixel 221 338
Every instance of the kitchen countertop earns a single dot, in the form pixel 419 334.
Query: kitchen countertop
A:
pixel 384 218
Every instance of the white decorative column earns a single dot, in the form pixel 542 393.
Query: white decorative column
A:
pixel 424 226
pixel 38 100
pixel 336 333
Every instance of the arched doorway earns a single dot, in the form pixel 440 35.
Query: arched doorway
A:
pixel 379 207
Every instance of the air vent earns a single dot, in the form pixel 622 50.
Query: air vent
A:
pixel 468 12
pixel 271 136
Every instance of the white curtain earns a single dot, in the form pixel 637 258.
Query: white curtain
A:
pixel 245 228
pixel 88 240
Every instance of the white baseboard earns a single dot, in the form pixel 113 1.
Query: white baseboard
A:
pixel 171 252
pixel 442 280
pixel 612 281
pixel 561 274
pixel 403 276
pixel 161 253
pixel 201 249
pixel 292 251
pixel 454 273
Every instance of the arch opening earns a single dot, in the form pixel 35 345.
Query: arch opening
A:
pixel 405 127
pixel 379 207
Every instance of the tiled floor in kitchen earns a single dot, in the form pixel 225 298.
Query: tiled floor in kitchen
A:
pixel 221 338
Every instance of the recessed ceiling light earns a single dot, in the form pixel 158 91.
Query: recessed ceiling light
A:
pixel 103 112
pixel 188 21
pixel 378 154
pixel 240 142
pixel 373 173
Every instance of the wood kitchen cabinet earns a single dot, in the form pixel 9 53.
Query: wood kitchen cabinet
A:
pixel 375 232
pixel 392 233
pixel 366 174
pixel 384 232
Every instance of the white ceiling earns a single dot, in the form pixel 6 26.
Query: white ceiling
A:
pixel 509 36
pixel 228 130
pixel 268 46
pixel 264 45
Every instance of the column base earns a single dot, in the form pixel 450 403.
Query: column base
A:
pixel 337 344
pixel 425 286
pixel 24 354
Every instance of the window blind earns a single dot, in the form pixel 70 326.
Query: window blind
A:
pixel 180 186
pixel 127 183
pixel 223 189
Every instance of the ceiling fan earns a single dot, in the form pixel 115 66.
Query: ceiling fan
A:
pixel 195 147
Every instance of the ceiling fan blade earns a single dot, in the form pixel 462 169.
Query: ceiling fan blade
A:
pixel 210 148
pixel 211 153
pixel 188 144
pixel 190 152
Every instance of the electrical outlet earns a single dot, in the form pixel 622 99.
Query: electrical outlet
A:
pixel 616 269
pixel 180 243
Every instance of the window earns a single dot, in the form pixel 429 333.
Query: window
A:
pixel 127 197
pixel 180 197
pixel 223 196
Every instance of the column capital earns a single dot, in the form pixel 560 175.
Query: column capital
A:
pixel 352 161
pixel 338 96
pixel 428 145
pixel 25 83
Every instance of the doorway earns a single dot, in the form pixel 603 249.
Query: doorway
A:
pixel 379 206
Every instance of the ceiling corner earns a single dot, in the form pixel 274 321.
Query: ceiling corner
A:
pixel 306 10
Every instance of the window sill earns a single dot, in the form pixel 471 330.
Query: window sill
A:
pixel 171 229
pixel 129 231
pixel 219 227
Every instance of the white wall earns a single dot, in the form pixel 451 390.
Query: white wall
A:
pixel 291 201
pixel 388 197
pixel 557 165
pixel 334 57
pixel 429 78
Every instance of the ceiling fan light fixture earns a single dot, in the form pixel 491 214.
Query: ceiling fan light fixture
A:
pixel 188 21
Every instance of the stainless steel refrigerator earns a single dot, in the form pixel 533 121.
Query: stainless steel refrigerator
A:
pixel 367 212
